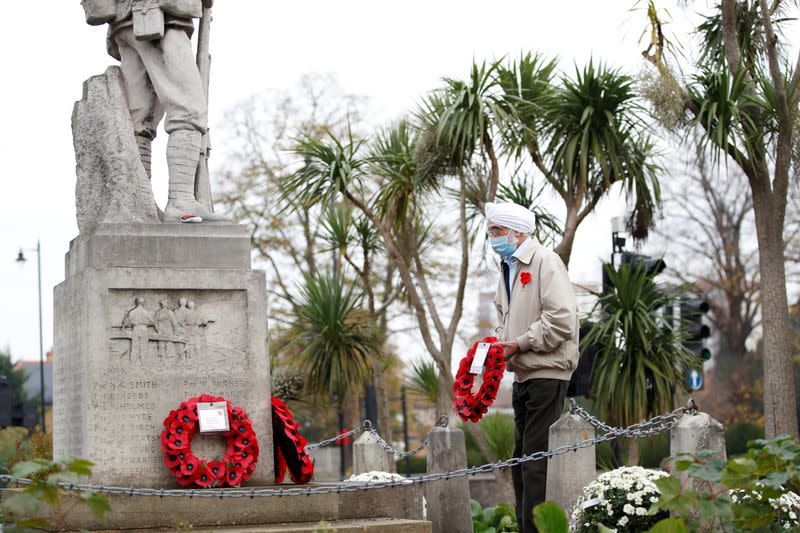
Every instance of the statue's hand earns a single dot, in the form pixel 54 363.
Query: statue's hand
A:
pixel 208 3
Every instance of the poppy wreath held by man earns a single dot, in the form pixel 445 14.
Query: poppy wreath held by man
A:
pixel 236 466
pixel 290 446
pixel 471 406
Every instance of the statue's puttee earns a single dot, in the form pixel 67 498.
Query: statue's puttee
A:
pixel 152 41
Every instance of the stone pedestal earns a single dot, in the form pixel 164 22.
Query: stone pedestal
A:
pixel 150 315
pixel 569 473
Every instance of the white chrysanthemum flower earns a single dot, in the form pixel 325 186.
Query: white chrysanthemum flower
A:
pixel 622 521
pixel 628 509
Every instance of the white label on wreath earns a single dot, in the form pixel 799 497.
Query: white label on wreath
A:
pixel 213 417
pixel 480 357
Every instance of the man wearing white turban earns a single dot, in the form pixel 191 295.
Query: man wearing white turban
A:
pixel 538 331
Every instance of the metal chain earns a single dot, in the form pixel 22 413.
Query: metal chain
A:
pixel 441 423
pixel 574 408
pixel 337 438
pixel 367 426
pixel 647 428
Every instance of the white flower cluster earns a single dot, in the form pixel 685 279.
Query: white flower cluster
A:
pixel 377 477
pixel 634 483
pixel 787 505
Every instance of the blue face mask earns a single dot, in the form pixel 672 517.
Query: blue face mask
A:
pixel 502 246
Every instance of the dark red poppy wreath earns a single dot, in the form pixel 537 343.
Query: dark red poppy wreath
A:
pixel 470 406
pixel 290 452
pixel 232 469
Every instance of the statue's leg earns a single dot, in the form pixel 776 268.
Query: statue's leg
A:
pixel 171 69
pixel 142 100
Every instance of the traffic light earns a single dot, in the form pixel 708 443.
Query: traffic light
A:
pixel 651 265
pixel 693 309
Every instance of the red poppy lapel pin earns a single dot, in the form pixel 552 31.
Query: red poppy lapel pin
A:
pixel 525 278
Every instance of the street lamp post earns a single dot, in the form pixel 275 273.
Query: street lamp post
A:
pixel 21 260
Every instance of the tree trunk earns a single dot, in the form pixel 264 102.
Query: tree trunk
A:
pixel 384 419
pixel 564 248
pixel 633 452
pixel 780 409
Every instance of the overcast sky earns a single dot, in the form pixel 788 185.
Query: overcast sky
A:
pixel 391 52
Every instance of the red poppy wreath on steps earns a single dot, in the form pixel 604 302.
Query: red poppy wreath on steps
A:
pixel 232 469
pixel 290 446
pixel 471 406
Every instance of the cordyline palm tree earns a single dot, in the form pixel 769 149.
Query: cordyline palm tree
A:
pixel 745 102
pixel 584 134
pixel 642 359
pixel 390 185
pixel 336 344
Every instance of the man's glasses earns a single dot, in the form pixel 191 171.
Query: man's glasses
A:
pixel 495 231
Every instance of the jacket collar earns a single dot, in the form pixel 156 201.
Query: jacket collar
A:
pixel 526 250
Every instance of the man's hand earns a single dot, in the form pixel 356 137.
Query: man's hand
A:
pixel 509 348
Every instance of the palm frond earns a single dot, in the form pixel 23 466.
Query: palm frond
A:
pixel 424 379
pixel 330 166
pixel 642 358
pixel 335 341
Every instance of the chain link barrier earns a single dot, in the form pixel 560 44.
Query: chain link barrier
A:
pixel 646 428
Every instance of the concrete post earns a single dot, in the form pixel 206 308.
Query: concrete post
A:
pixel 369 455
pixel 695 432
pixel 448 501
pixel 567 474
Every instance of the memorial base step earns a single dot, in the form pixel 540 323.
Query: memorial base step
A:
pixel 358 525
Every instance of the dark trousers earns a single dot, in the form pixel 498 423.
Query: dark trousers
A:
pixel 537 405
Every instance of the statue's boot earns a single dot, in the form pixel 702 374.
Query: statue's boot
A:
pixel 183 156
pixel 144 143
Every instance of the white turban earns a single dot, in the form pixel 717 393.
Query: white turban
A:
pixel 510 215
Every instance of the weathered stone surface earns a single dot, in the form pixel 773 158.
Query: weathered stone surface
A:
pixel 448 500
pixel 369 455
pixel 206 245
pixel 567 474
pixel 111 182
pixel 142 512
pixel 117 378
pixel 397 502
pixel 695 432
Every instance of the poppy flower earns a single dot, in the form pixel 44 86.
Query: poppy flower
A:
pixel 203 477
pixel 184 481
pixel 175 441
pixel 172 461
pixel 525 278
pixel 190 465
pixel 217 469
pixel 188 414
pixel 233 476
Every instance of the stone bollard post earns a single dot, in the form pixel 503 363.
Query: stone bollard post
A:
pixel 567 474
pixel 369 455
pixel 448 501
pixel 695 432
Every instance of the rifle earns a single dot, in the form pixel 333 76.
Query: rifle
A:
pixel 202 180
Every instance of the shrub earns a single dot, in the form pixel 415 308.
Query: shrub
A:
pixel 739 434
pixel 10 439
pixel 497 519
pixel 419 465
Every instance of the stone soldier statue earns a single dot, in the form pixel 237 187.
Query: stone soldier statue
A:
pixel 166 326
pixel 152 41
pixel 138 320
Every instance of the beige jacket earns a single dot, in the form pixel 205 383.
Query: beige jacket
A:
pixel 542 316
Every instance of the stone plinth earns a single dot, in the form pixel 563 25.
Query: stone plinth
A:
pixel 567 474
pixel 150 315
pixel 369 455
pixel 448 501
